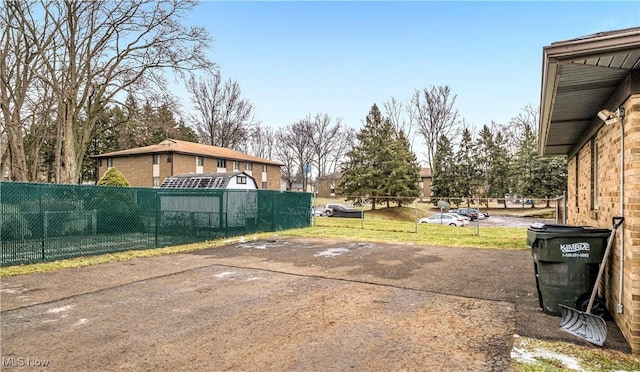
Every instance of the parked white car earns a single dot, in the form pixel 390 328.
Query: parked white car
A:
pixel 466 219
pixel 450 219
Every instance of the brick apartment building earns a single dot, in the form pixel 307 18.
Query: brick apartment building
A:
pixel 590 112
pixel 148 166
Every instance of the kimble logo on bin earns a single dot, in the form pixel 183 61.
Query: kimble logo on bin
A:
pixel 575 249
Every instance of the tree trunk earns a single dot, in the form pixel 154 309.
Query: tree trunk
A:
pixel 17 154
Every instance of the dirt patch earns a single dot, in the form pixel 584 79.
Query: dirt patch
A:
pixel 281 304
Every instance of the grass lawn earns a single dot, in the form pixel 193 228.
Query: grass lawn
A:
pixel 383 230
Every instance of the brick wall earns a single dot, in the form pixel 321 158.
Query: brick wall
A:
pixel 581 212
pixel 325 185
pixel 138 170
pixel 426 188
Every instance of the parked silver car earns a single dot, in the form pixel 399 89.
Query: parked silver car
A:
pixel 450 219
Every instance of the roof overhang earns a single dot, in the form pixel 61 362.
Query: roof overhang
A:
pixel 580 77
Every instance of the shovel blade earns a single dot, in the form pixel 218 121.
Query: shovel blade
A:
pixel 589 327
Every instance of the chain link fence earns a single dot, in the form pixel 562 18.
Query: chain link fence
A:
pixel 46 222
pixel 407 219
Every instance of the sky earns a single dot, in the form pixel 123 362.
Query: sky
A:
pixel 292 59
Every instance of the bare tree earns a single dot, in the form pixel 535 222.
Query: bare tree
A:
pixel 514 131
pixel 223 117
pixel 296 138
pixel 397 112
pixel 325 141
pixel 432 111
pixel 18 67
pixel 262 142
pixel 90 52
pixel 285 155
pixel 343 144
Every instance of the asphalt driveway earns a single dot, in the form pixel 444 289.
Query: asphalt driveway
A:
pixel 282 304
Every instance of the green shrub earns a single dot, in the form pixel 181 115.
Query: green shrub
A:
pixel 118 211
pixel 113 177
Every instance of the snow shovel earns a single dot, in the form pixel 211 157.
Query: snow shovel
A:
pixel 585 325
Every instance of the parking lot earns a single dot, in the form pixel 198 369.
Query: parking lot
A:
pixel 282 304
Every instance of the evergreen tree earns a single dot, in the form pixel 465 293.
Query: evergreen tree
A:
pixel 403 171
pixel 104 138
pixel 443 171
pixel 484 158
pixel 362 171
pixel 468 177
pixel 525 169
pixel 381 164
pixel 552 174
pixel 386 158
pixel 498 174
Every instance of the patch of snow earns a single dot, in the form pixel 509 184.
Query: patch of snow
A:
pixel 252 246
pixel 59 309
pixel 254 278
pixel 331 252
pixel 533 356
pixel 10 291
pixel 224 274
pixel 81 321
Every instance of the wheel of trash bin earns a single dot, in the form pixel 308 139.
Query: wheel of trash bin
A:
pixel 598 308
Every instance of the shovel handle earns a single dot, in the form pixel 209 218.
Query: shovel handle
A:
pixel 617 224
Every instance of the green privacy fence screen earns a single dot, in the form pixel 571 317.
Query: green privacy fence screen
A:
pixel 46 222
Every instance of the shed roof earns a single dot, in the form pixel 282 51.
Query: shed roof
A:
pixel 191 148
pixel 580 77
pixel 201 180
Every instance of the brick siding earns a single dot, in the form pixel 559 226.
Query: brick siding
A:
pixel 138 169
pixel 580 211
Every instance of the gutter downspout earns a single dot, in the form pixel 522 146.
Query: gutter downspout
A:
pixel 620 308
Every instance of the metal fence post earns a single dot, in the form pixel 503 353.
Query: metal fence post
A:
pixel 416 219
pixel 45 228
pixel 157 217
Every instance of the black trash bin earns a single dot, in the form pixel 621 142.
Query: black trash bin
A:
pixel 566 261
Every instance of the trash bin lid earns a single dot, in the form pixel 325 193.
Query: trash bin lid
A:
pixel 566 229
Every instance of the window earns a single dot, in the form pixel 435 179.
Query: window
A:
pixel 199 161
pixel 156 159
pixel 247 166
pixel 222 163
pixel 594 175
pixel 109 162
pixel 264 185
pixel 242 180
pixel 169 158
pixel 236 165
pixel 264 168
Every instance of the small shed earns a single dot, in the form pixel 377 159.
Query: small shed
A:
pixel 234 180
pixel 225 200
